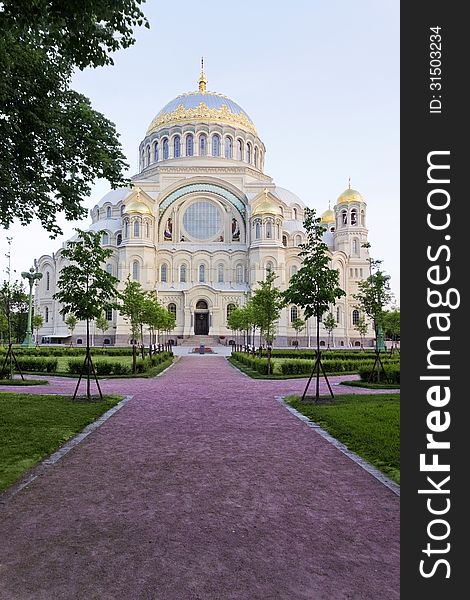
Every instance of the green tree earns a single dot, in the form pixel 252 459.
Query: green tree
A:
pixel 38 322
pixel 267 302
pixel 391 323
pixel 102 324
pixel 374 294
pixel 315 286
pixel 236 321
pixel 71 322
pixel 298 325
pixel 52 143
pixel 329 323
pixel 361 327
pixel 14 308
pixel 86 289
pixel 134 307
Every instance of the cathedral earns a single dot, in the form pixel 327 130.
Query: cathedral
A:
pixel 202 223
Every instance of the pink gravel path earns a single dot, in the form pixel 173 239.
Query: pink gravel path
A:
pixel 201 488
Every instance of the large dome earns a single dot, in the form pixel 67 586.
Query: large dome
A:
pixel 204 106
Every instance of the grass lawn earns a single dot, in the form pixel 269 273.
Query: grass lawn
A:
pixel 33 426
pixel 19 381
pixel 369 425
pixel 372 386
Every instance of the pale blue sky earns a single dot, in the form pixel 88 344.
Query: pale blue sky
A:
pixel 320 80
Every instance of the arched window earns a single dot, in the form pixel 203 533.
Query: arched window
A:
pixel 109 314
pixel 201 304
pixel 215 145
pixel 269 267
pixel 48 281
pixel 284 241
pixel 148 155
pixel 355 247
pixel 108 212
pixel 136 228
pixel 163 273
pixel 202 273
pixel 220 274
pixel 239 274
pixel 142 159
pixel 105 239
pixel 126 228
pixel 183 274
pixel 136 270
pixel 298 240
pixel 294 313
pixel 46 315
pixel 344 217
pixel 109 268
pixel 269 230
pixel 177 147
pixel 202 145
pixel 228 147
pixel 189 144
pixel 355 317
pixel 123 208
pixel 257 230
pixel 147 229
pixel 239 150
pixel 230 309
pixel 119 239
pixel 293 270
pixel 172 309
pixel 155 151
pixel 294 214
pixel 338 315
pixel 354 217
pixel 165 149
pixel 363 218
pixel 256 157
pixel 248 153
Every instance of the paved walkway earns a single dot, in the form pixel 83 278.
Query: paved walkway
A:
pixel 202 487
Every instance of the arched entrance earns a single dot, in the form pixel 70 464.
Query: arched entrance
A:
pixel 201 318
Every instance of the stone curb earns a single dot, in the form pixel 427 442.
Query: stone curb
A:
pixel 394 487
pixel 51 460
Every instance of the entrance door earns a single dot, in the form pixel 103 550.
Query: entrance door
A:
pixel 201 325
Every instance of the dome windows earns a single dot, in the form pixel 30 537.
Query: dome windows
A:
pixel 155 152
pixel 228 147
pixel 203 145
pixel 166 149
pixel 189 144
pixel 203 220
pixel 215 145
pixel 248 153
pixel 239 149
pixel 177 147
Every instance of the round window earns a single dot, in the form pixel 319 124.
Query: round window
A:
pixel 202 220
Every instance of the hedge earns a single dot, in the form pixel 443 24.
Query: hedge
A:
pixel 34 363
pixel 70 351
pixel 104 367
pixel 392 374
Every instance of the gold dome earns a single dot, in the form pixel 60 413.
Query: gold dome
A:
pixel 138 207
pixel 349 195
pixel 266 206
pixel 328 216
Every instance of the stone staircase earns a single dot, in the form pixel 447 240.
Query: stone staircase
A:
pixel 196 340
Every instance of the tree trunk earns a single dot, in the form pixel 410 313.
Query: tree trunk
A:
pixel 317 393
pixel 88 359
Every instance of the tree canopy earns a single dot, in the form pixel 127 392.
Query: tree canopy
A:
pixel 53 145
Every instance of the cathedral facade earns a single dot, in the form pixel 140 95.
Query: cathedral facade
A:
pixel 201 225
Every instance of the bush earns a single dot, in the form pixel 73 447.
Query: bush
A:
pixel 34 363
pixel 392 374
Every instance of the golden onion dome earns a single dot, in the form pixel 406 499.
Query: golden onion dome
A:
pixel 349 195
pixel 328 216
pixel 137 207
pixel 267 207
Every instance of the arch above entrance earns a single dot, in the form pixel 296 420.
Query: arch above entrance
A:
pixel 201 305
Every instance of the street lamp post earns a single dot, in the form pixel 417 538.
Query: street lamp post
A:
pixel 31 276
